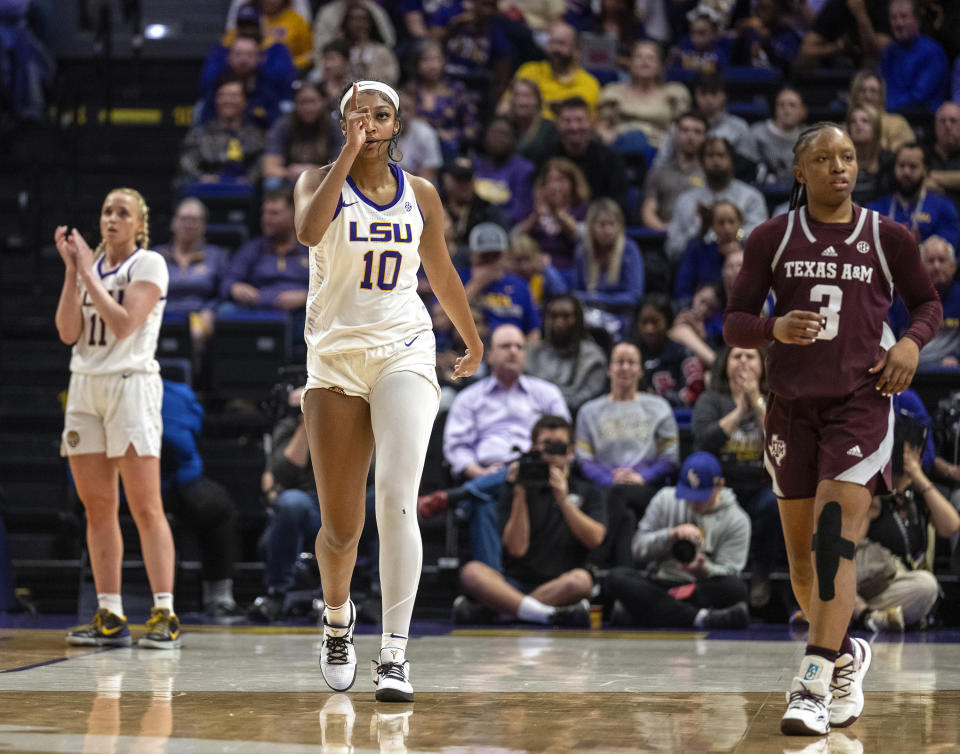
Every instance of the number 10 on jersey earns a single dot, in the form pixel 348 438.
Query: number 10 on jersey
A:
pixel 386 279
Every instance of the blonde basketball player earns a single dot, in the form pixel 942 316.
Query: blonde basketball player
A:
pixel 110 309
pixel 371 364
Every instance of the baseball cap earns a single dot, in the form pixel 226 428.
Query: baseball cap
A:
pixel 488 237
pixel 697 476
pixel 462 168
pixel 248 14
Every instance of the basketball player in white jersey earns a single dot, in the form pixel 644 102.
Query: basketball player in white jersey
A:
pixel 110 309
pixel 371 364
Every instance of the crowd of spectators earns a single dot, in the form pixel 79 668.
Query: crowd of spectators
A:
pixel 596 209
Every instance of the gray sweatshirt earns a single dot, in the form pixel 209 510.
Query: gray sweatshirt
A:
pixel 725 530
pixel 579 378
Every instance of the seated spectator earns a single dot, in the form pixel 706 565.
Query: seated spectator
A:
pixel 775 137
pixel 670 370
pixel 486 424
pixel 560 77
pixel 419 145
pixel 549 520
pixel 442 101
pixel 700 327
pixel 702 260
pixel 693 539
pixel 899 522
pixel 945 157
pixel 503 297
pixel 844 32
pixel 728 423
pixel 915 67
pixel 621 25
pixel 307 137
pixel 767 37
pixel 682 170
pixel 704 49
pixel 578 142
pixel 330 17
pixel 609 273
pixel 198 503
pixel 333 76
pixel 370 56
pixel 525 108
pixel 290 492
pixel 279 23
pixel 868 88
pixel 465 209
pixel 560 197
pixel 939 257
pixel 196 270
pixel 450 347
pixel 525 259
pixel 627 441
pixel 717 158
pixel 874 165
pixel 645 102
pixel 503 177
pixel 481 46
pixel 28 67
pixel 925 213
pixel 226 149
pixel 567 356
pixel 270 272
pixel 267 78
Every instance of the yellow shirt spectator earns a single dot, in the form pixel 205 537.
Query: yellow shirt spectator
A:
pixel 289 29
pixel 577 83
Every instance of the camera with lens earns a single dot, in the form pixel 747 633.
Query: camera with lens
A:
pixel 533 471
pixel 684 550
pixel 289 379
pixel 906 431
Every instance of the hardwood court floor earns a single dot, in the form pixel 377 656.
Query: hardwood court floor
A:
pixel 249 689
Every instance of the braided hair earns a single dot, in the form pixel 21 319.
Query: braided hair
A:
pixel 798 193
pixel 142 238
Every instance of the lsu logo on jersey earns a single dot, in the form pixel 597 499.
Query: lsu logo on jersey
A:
pixel 381 232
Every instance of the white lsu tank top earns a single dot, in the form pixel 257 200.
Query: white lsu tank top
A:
pixel 99 351
pixel 363 273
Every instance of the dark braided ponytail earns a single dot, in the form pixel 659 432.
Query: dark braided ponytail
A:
pixel 798 193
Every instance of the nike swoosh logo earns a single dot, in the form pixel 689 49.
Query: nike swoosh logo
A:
pixel 110 631
pixel 411 341
pixel 349 204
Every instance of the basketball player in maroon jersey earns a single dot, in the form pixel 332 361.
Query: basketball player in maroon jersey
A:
pixel 832 369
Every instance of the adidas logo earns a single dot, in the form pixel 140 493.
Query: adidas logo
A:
pixel 828 252
pixel 855 451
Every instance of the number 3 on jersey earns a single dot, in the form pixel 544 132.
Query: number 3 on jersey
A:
pixel 382 283
pixel 830 310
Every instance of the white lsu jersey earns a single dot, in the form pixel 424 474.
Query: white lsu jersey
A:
pixel 363 274
pixel 99 351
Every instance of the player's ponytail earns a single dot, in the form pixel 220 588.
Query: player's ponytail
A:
pixel 142 238
pixel 798 192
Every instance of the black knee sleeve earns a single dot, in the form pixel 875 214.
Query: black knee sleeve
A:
pixel 829 547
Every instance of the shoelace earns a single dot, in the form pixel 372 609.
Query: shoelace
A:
pixel 337 649
pixel 807 700
pixel 157 622
pixel 392 670
pixel 843 677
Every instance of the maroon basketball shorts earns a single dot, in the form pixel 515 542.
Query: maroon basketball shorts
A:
pixel 847 439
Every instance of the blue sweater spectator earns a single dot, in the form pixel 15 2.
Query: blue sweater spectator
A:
pixel 501 176
pixel 915 67
pixel 182 421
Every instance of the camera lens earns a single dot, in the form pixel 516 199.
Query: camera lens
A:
pixel 684 550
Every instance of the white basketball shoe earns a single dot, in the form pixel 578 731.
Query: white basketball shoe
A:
pixel 338 659
pixel 847 685
pixel 391 676
pixel 808 708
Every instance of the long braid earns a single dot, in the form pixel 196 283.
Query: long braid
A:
pixel 798 192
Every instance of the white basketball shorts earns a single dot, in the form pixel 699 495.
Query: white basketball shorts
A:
pixel 106 413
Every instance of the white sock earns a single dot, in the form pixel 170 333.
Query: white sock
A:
pixel 700 617
pixel 815 668
pixel 403 406
pixel 394 641
pixel 534 611
pixel 111 602
pixel 164 600
pixel 217 592
pixel 339 615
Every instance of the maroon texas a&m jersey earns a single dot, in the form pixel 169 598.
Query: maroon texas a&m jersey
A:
pixel 845 271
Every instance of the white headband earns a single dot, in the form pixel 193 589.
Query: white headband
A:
pixel 366 86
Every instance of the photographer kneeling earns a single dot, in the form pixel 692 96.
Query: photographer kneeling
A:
pixel 692 544
pixel 550 520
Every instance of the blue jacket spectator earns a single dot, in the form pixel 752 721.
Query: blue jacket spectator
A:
pixel 915 67
pixel 702 261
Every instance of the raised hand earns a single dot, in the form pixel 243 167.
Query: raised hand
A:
pixel 66 248
pixel 84 254
pixel 358 121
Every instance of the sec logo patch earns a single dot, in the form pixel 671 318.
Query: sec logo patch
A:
pixel 863 247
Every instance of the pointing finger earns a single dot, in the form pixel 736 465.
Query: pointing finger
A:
pixel 353 97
